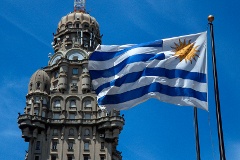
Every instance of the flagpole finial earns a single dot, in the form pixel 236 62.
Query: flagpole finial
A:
pixel 210 18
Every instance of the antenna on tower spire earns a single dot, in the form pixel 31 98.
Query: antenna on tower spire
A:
pixel 79 5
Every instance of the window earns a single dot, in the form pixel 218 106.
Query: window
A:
pixel 38 145
pixel 85 157
pixel 44 101
pixel 37 99
pixel 69 25
pixel 36 112
pixel 87 132
pixel 102 145
pixel 57 103
pixel 70 158
pixel 74 85
pixel 54 157
pixel 36 157
pixel 45 87
pixel 55 132
pixel 86 146
pixel 71 116
pixel 75 71
pixel 43 113
pixel 72 103
pixel 102 158
pixel 86 25
pixel 87 103
pixel 70 145
pixel 99 114
pixel 54 85
pixel 29 101
pixel 56 115
pixel 87 116
pixel 85 70
pixel 71 132
pixel 75 57
pixel 38 85
pixel 28 111
pixel 30 87
pixel 54 145
pixel 74 82
pixel 56 74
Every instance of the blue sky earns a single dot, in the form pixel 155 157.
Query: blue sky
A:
pixel 154 130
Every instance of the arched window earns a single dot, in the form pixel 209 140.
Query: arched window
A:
pixel 30 101
pixel 37 100
pixel 36 112
pixel 87 132
pixel 44 101
pixel 57 103
pixel 55 131
pixel 69 25
pixel 43 113
pixel 28 111
pixel 38 85
pixel 99 114
pixel 73 103
pixel 45 87
pixel 87 103
pixel 56 73
pixel 71 131
pixel 30 87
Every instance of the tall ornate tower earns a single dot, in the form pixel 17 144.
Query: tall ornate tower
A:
pixel 61 120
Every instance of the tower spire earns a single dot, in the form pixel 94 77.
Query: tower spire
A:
pixel 79 5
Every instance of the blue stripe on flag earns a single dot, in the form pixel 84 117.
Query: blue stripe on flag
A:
pixel 154 87
pixel 132 59
pixel 161 72
pixel 103 56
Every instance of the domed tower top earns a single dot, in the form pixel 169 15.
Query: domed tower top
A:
pixel 39 82
pixel 76 31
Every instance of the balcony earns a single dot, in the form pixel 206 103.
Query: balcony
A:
pixel 72 121
pixel 114 121
pixel 56 121
pixel 68 42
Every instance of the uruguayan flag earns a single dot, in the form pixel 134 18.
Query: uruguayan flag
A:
pixel 172 70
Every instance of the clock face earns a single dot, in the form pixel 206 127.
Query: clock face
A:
pixel 54 61
pixel 75 56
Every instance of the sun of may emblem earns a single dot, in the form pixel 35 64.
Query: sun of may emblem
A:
pixel 185 50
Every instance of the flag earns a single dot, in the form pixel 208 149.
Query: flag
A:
pixel 172 70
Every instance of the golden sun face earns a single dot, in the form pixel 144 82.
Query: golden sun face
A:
pixel 185 50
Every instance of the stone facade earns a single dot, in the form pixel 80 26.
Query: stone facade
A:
pixel 62 120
